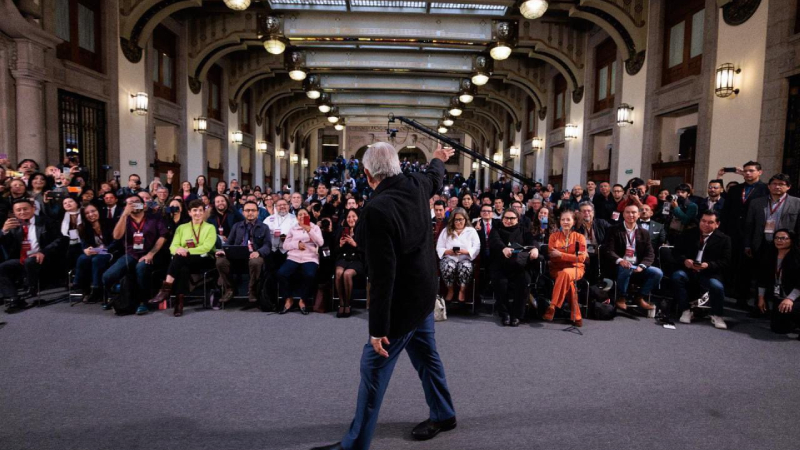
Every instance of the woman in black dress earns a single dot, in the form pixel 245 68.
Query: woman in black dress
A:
pixel 349 262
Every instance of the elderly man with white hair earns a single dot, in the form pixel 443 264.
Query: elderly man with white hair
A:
pixel 395 231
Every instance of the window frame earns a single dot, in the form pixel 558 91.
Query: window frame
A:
pixel 531 118
pixel 214 78
pixel 674 15
pixel 71 50
pixel 165 42
pixel 245 108
pixel 605 57
pixel 559 87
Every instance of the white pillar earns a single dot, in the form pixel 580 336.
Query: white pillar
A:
pixel 573 149
pixel 518 143
pixel 276 168
pixel 29 71
pixel 132 128
pixel 302 153
pixel 234 165
pixel 541 128
pixel 195 162
pixel 257 165
pixel 292 151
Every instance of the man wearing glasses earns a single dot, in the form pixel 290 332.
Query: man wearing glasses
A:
pixel 767 214
pixel 257 237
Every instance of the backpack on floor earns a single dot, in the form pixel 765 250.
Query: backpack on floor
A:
pixel 598 308
pixel 123 301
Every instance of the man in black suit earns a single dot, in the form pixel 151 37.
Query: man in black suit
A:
pixel 595 232
pixel 714 200
pixel 704 254
pixel 658 236
pixel 27 240
pixel 732 223
pixel 394 228
pixel 604 203
pixel 254 234
pixel 111 209
pixel 768 214
pixel 628 248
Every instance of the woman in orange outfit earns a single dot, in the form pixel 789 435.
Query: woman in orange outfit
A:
pixel 567 255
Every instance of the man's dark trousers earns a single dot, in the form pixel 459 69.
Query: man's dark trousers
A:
pixel 377 370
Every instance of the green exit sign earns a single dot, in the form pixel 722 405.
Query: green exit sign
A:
pixel 629 171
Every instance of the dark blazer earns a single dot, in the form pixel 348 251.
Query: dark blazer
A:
pixel 717 252
pixel 117 212
pixel 47 233
pixel 616 242
pixel 757 220
pixel 261 237
pixel 500 264
pixel 599 228
pixel 232 217
pixel 657 234
pixel 767 268
pixel 734 212
pixel 604 207
pixel 394 229
pixel 703 205
pixel 107 228
pixel 485 239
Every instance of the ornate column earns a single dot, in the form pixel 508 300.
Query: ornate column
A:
pixel 28 70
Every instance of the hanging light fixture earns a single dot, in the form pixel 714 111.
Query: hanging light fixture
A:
pixel 324 103
pixel 533 9
pixel 139 103
pixel 237 5
pixel 624 115
pixel 442 129
pixel 274 41
pixel 295 63
pixel 537 143
pixel 501 49
pixel 201 125
pixel 456 107
pixel 724 85
pixel 570 131
pixel 448 121
pixel 333 115
pixel 467 92
pixel 514 152
pixel 339 125
pixel 481 70
pixel 261 147
pixel 312 88
pixel 238 137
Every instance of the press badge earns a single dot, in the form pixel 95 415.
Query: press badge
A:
pixel 190 243
pixel 138 240
pixel 777 290
pixel 221 230
pixel 615 215
pixel 769 228
pixel 73 234
pixel 630 256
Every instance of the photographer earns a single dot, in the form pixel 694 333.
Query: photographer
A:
pixel 683 213
pixel 636 194
pixel 134 187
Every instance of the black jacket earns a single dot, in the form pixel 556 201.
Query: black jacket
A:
pixel 616 242
pixel 599 228
pixel 734 211
pixel 499 239
pixel 604 207
pixel 261 237
pixel 394 229
pixel 767 268
pixel 717 252
pixel 48 235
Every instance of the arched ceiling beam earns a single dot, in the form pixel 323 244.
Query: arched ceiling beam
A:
pixel 492 119
pixel 138 25
pixel 503 104
pixel 627 34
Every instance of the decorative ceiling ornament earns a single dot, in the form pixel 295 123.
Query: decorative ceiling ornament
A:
pixel 737 12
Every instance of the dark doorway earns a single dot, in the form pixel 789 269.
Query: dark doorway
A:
pixel 82 126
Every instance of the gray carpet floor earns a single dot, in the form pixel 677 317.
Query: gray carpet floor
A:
pixel 81 378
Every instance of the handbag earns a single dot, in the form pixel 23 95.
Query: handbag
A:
pixel 439 309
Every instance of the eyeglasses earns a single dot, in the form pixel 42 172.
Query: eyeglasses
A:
pixel 251 210
pixel 509 218
pixel 459 219
pixel 782 238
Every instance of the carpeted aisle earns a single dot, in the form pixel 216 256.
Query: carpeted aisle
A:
pixel 80 378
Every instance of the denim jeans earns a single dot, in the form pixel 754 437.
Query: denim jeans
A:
pixel 715 288
pixel 91 268
pixel 122 267
pixel 652 276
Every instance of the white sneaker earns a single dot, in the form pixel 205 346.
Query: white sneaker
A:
pixel 719 323
pixel 687 316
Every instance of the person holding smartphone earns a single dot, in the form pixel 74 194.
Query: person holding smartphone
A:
pixel 458 245
pixel 302 246
pixel 349 262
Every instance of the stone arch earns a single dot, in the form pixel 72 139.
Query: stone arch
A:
pixel 621 26
pixel 139 23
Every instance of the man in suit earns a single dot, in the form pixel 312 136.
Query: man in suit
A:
pixel 594 230
pixel 658 236
pixel 254 234
pixel 524 221
pixel 704 254
pixel 714 201
pixel 27 240
pixel 439 221
pixel 111 208
pixel 765 215
pixel 402 268
pixel 604 202
pixel 628 247
pixel 732 223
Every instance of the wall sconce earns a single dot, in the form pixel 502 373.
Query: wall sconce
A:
pixel 295 63
pixel 238 137
pixel 498 158
pixel 324 103
pixel 475 165
pixel 537 143
pixel 294 158
pixel 237 5
pixel 305 162
pixel 261 147
pixel 274 41
pixel 312 88
pixel 501 49
pixel 484 164
pixel 724 85
pixel 201 125
pixel 570 132
pixel 514 152
pixel 281 153
pixel 481 70
pixel 138 103
pixel 624 115
pixel 533 9
pixel 456 107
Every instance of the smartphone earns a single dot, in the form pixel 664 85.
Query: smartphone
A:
pixel 307 220
pixel 729 170
pixel 697 264
pixel 346 231
pixel 456 249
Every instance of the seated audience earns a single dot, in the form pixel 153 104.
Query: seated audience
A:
pixel 258 239
pixel 628 247
pixel 223 216
pixel 541 227
pixel 191 254
pixel 567 257
pixel 468 203
pixel 704 254
pixel 349 262
pixel 510 276
pixel 99 247
pixel 69 228
pixel 302 244
pixel 26 240
pixel 594 231
pixel 458 245
pixel 778 285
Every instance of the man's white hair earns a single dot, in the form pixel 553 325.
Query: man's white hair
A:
pixel 382 161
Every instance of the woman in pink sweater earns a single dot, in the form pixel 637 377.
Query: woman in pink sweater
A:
pixel 302 245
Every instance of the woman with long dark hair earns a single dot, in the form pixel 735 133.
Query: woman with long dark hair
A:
pixel 98 244
pixel 778 281
pixel 458 245
pixel 510 276
pixel 468 203
pixel 349 261
pixel 567 256
pixel 187 193
pixel 200 186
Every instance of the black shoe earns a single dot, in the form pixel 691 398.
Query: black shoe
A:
pixel 506 320
pixel 336 446
pixel 303 311
pixel 429 429
pixel 15 305
pixel 284 310
pixel 514 322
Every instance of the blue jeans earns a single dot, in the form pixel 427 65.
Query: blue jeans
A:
pixel 716 291
pixel 308 274
pixel 122 267
pixel 652 276
pixel 420 344
pixel 93 266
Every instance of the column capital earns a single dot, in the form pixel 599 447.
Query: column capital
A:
pixel 28 61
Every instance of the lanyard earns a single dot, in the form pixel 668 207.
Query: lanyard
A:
pixel 779 271
pixel 197 233
pixel 631 237
pixel 140 227
pixel 220 222
pixel 778 204
pixel 745 197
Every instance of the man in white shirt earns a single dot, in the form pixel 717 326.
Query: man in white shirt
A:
pixel 280 223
